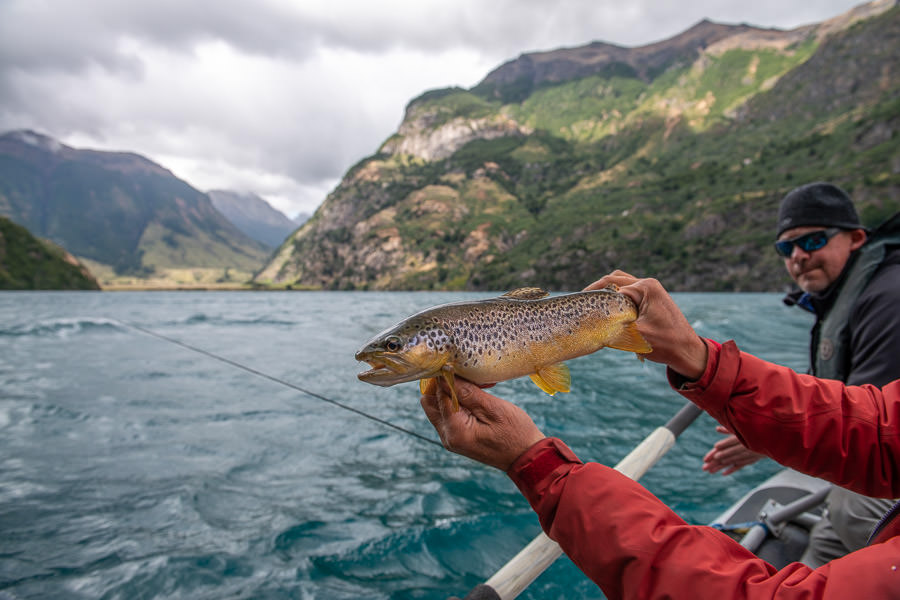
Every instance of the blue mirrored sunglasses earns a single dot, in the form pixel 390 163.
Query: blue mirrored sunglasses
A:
pixel 806 242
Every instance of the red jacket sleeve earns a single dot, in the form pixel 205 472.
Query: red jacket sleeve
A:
pixel 633 546
pixel 846 434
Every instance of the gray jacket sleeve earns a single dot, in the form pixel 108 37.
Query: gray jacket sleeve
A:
pixel 875 330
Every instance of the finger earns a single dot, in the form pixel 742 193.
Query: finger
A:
pixel 431 406
pixel 473 398
pixel 728 442
pixel 639 290
pixel 737 450
pixel 712 467
pixel 732 454
pixel 737 467
pixel 437 405
pixel 617 278
pixel 730 464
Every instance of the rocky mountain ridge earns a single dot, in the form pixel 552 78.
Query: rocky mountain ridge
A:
pixel 666 160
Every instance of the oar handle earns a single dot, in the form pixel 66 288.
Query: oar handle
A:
pixel 516 575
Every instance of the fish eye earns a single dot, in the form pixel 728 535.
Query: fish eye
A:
pixel 393 343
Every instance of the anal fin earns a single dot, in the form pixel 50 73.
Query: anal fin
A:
pixel 552 379
pixel 630 340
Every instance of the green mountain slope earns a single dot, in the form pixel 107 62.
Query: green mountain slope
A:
pixel 27 263
pixel 116 209
pixel 667 160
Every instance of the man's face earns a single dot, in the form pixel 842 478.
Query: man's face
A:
pixel 814 271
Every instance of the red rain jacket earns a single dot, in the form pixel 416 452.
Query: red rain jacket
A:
pixel 633 546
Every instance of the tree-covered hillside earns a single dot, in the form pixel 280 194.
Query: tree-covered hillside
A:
pixel 27 263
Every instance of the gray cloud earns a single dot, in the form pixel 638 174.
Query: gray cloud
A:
pixel 280 97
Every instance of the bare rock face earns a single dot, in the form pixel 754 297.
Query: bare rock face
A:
pixel 420 138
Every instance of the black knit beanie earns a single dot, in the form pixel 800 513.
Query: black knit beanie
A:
pixel 820 204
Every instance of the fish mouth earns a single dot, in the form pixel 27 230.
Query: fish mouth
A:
pixel 390 370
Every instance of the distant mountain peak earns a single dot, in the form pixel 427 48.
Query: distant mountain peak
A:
pixel 253 215
pixel 123 162
pixel 36 139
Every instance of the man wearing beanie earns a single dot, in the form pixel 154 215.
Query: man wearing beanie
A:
pixel 850 279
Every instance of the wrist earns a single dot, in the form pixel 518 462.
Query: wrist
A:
pixel 693 361
pixel 520 450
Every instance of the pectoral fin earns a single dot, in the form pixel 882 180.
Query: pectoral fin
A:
pixel 447 372
pixel 552 379
pixel 630 340
pixel 426 386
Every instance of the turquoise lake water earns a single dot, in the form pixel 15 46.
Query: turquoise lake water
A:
pixel 132 467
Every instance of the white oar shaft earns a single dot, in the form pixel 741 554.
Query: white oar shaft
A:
pixel 516 575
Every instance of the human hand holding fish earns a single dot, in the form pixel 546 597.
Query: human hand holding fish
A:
pixel 484 428
pixel 523 332
pixel 661 323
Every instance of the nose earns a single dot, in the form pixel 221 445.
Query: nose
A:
pixel 798 253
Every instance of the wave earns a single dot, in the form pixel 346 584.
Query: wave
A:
pixel 220 321
pixel 64 327
pixel 429 559
pixel 61 327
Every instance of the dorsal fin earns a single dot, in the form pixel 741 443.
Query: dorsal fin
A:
pixel 526 293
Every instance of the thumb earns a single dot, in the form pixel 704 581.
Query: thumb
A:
pixel 471 397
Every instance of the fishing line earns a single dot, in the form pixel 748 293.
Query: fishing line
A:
pixel 293 386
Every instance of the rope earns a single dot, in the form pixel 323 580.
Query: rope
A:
pixel 272 378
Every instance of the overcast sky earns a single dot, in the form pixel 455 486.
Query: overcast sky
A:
pixel 281 97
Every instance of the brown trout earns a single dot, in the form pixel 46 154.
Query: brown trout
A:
pixel 523 332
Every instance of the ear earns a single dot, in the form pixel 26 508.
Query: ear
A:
pixel 858 237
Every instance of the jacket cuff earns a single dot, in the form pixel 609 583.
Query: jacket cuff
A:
pixel 681 383
pixel 538 466
pixel 713 390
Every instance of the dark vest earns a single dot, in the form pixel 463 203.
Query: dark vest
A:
pixel 831 337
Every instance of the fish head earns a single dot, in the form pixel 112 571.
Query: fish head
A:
pixel 409 351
